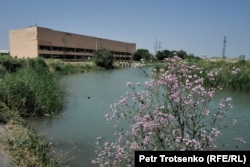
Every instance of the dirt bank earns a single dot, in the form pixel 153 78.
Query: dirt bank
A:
pixel 4 159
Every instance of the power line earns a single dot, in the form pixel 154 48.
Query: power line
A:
pixel 224 48
pixel 157 46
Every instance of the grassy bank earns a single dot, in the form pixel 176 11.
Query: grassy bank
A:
pixel 231 74
pixel 24 147
pixel 63 68
pixel 28 89
pixel 32 89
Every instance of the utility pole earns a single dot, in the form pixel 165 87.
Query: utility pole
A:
pixel 224 48
pixel 159 46
pixel 156 46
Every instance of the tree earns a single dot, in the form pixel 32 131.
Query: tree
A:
pixel 169 112
pixel 104 58
pixel 141 54
pixel 182 54
pixel 160 55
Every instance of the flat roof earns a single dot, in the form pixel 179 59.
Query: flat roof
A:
pixel 4 51
pixel 50 29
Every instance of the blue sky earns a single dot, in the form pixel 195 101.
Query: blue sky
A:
pixel 196 26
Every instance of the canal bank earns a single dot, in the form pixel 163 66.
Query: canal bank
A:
pixel 4 157
pixel 89 98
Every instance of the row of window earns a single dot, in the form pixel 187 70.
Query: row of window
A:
pixel 64 49
pixel 69 49
pixel 77 57
pixel 57 56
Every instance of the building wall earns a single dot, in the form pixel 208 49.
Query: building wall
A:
pixel 4 53
pixel 23 43
pixel 48 43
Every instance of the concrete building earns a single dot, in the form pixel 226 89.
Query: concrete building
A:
pixel 32 42
pixel 4 53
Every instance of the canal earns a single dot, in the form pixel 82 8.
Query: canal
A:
pixel 88 100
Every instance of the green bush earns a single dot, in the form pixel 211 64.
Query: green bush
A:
pixel 104 58
pixel 10 64
pixel 3 71
pixel 32 91
pixel 232 75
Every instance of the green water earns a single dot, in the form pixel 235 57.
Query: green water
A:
pixel 89 98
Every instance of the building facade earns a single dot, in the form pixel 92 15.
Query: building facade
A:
pixel 4 53
pixel 34 42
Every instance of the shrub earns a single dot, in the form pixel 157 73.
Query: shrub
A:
pixel 32 91
pixel 104 58
pixel 170 112
pixel 3 71
pixel 229 74
pixel 11 65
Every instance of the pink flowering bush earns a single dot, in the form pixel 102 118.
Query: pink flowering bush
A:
pixel 169 112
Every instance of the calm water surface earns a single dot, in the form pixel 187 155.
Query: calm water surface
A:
pixel 89 98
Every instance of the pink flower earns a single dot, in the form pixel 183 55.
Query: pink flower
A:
pixel 215 132
pixel 228 99
pixel 206 112
pixel 129 84
pixel 234 121
pixel 134 146
pixel 240 140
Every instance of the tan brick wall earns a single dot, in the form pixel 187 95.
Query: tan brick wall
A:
pixel 25 43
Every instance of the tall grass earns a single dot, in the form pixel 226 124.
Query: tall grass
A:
pixel 10 64
pixel 32 90
pixel 231 75
pixel 65 68
pixel 27 89
pixel 26 148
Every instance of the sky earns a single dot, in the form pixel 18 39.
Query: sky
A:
pixel 195 26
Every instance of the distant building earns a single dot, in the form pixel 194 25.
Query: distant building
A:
pixel 4 52
pixel 34 42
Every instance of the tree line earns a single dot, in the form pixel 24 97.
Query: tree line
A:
pixel 105 59
pixel 161 55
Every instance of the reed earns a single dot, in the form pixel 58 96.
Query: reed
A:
pixel 32 90
pixel 231 75
pixel 27 89
pixel 65 68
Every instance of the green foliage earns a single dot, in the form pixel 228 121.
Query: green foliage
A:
pixel 68 68
pixel 36 63
pixel 32 90
pixel 232 75
pixel 182 54
pixel 3 71
pixel 192 57
pixel 6 114
pixel 10 64
pixel 27 89
pixel 103 58
pixel 142 54
pixel 27 148
pixel 161 55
